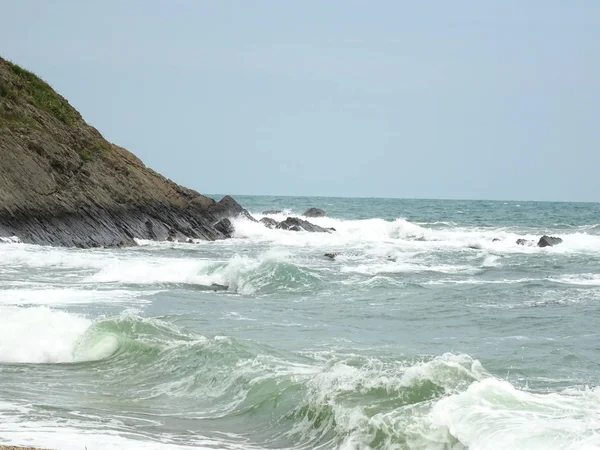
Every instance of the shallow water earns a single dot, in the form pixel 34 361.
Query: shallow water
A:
pixel 423 334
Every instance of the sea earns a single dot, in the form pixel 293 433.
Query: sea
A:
pixel 430 330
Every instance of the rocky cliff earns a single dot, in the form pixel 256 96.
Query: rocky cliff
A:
pixel 62 183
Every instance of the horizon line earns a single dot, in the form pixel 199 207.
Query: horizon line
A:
pixel 401 198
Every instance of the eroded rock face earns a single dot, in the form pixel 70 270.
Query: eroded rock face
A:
pixel 62 183
pixel 227 207
pixel 225 227
pixel 314 212
pixel 268 222
pixel 549 241
pixel 296 224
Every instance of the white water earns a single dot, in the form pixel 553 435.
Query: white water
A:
pixel 39 335
pixel 43 287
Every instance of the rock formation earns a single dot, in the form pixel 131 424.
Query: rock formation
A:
pixel 545 241
pixel 225 227
pixel 296 224
pixel 268 222
pixel 314 212
pixel 62 183
pixel 548 241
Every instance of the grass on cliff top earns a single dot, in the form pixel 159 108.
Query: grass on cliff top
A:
pixel 94 150
pixel 42 95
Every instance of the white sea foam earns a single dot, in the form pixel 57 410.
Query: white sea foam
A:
pixel 34 256
pixel 477 411
pixel 39 334
pixel 69 296
pixel 582 279
pixel 369 233
pixel 493 414
pixel 78 435
pixel 237 273
pixel 491 261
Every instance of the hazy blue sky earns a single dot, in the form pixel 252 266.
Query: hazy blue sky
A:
pixel 446 99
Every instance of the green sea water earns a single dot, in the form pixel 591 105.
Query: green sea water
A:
pixel 432 329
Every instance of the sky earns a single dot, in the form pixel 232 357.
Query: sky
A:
pixel 433 99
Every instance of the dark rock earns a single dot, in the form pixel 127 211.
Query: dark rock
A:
pixel 496 240
pixel 150 229
pixel 296 224
pixel 227 207
pixel 268 222
pixel 332 255
pixel 118 245
pixel 272 211
pixel 549 241
pixel 218 287
pixel 211 287
pixel 225 227
pixel 525 242
pixel 314 212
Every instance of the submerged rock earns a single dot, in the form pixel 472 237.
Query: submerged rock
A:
pixel 525 242
pixel 296 224
pixel 268 222
pixel 496 240
pixel 331 255
pixel 314 212
pixel 548 241
pixel 272 211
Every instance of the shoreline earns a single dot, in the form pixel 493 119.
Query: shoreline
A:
pixel 16 447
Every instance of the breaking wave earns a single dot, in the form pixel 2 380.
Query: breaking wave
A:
pixel 309 399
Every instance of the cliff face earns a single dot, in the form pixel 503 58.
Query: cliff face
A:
pixel 62 183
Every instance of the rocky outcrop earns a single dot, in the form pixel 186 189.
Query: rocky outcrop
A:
pixel 228 207
pixel 268 222
pixel 549 241
pixel 62 183
pixel 225 227
pixel 545 241
pixel 314 212
pixel 296 224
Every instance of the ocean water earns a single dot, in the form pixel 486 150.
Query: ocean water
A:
pixel 423 334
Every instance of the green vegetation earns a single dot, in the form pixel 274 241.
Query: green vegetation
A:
pixel 97 148
pixel 12 119
pixel 43 96
pixel 5 92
